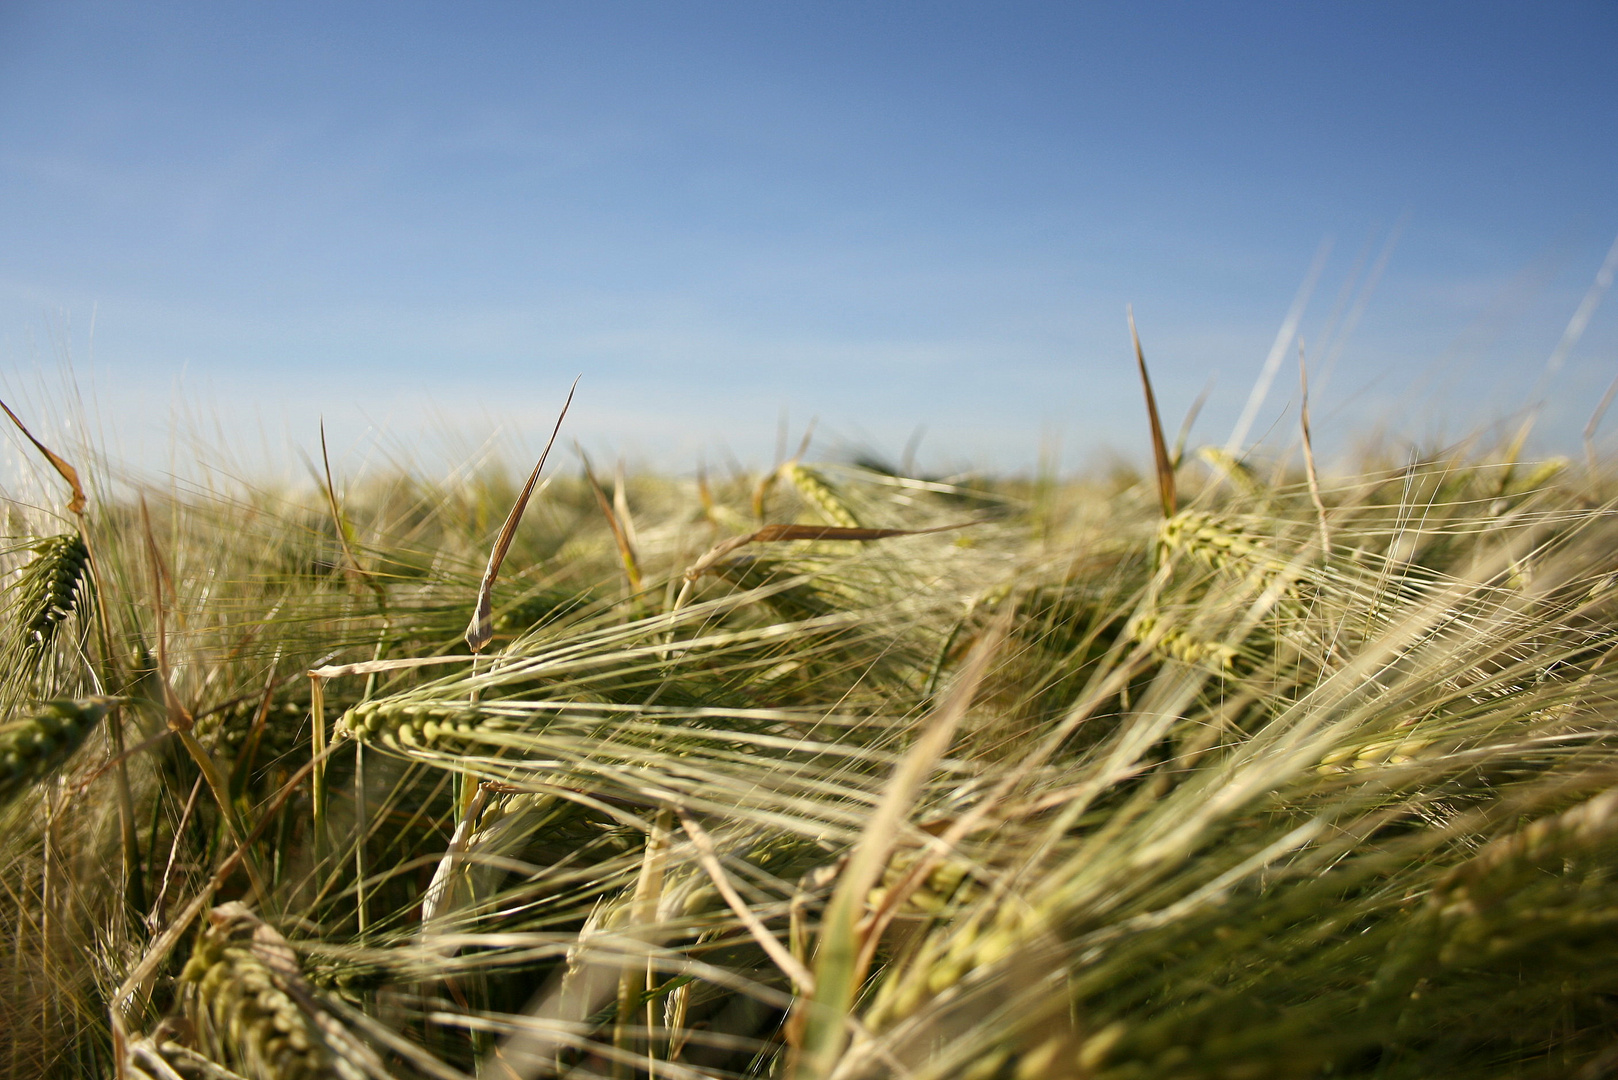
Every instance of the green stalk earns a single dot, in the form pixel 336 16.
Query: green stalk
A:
pixel 134 878
pixel 361 812
pixel 233 824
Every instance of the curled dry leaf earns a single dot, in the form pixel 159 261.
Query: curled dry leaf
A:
pixel 69 473
pixel 480 631
pixel 1160 451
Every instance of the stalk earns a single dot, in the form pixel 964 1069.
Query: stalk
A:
pixel 317 752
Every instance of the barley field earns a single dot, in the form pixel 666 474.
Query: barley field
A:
pixel 1231 769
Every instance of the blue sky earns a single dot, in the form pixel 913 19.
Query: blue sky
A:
pixel 422 218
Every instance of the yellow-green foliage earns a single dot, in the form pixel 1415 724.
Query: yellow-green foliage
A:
pixel 1271 788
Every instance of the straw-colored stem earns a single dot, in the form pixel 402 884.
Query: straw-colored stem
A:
pixel 317 754
pixel 642 913
pixel 708 856
pixel 361 831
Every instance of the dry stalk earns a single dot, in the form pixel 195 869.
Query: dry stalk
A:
pixel 616 511
pixel 708 856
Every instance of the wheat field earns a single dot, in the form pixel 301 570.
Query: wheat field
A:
pixel 1234 769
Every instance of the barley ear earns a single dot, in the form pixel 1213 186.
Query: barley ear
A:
pixel 48 593
pixel 813 489
pixel 1236 471
pixel 33 748
pixel 246 998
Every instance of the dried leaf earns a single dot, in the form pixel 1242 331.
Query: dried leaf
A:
pixel 1309 454
pixel 343 529
pixel 69 473
pixel 617 522
pixel 802 532
pixel 367 667
pixel 1160 450
pixel 480 631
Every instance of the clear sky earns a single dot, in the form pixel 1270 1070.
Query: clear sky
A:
pixel 886 215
